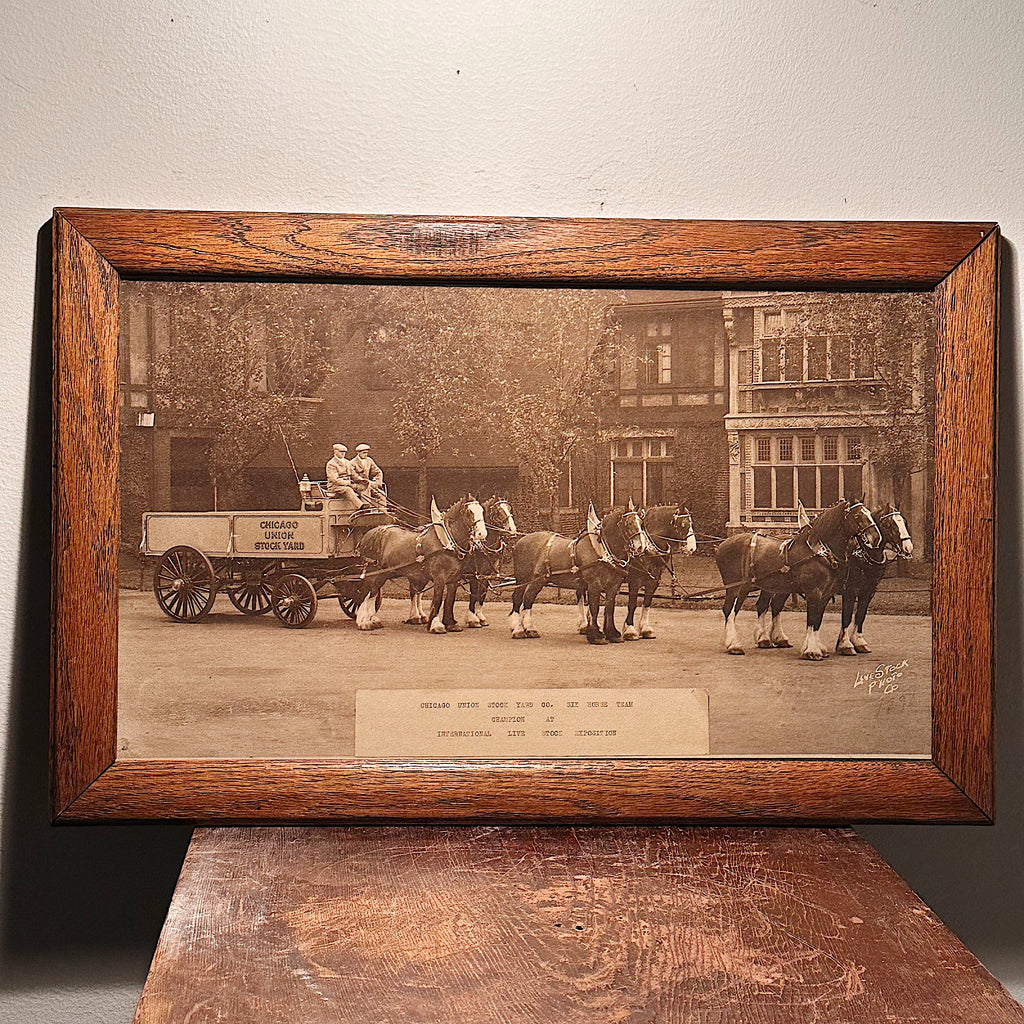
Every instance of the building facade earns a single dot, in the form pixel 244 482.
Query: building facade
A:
pixel 664 425
pixel 807 413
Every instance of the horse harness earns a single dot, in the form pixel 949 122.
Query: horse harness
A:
pixel 817 549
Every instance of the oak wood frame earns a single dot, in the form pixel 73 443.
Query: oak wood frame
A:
pixel 94 248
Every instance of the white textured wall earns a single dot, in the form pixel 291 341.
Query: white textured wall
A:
pixel 887 109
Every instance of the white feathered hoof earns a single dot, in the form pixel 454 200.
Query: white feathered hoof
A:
pixel 735 650
pixel 630 633
pixel 781 643
pixel 482 621
pixel 438 628
pixel 519 634
pixel 764 645
pixel 532 634
pixel 365 626
pixel 647 634
pixel 845 648
pixel 813 656
pixel 474 623
pixel 862 648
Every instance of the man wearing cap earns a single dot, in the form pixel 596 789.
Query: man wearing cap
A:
pixel 367 478
pixel 339 476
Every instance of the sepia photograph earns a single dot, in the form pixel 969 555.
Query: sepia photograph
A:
pixel 387 520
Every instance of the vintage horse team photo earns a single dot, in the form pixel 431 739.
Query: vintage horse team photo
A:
pixel 440 490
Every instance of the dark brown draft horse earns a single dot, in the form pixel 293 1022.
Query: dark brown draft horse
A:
pixel 431 555
pixel 808 563
pixel 481 564
pixel 598 558
pixel 863 574
pixel 669 528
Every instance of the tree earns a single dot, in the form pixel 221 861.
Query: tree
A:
pixel 891 345
pixel 241 370
pixel 476 368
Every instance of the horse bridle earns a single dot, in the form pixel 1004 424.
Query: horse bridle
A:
pixel 452 544
pixel 505 507
pixel 865 549
pixel 608 556
pixel 676 517
pixel 892 515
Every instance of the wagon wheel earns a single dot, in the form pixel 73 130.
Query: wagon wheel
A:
pixel 185 584
pixel 350 605
pixel 253 597
pixel 294 601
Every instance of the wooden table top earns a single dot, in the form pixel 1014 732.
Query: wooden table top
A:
pixel 487 925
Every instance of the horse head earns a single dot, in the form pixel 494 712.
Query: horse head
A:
pixel 630 528
pixel 498 517
pixel 861 526
pixel 680 527
pixel 895 533
pixel 464 521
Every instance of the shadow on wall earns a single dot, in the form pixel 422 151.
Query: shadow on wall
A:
pixel 972 876
pixel 82 905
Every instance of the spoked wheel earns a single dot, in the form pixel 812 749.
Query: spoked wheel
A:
pixel 185 584
pixel 350 605
pixel 294 601
pixel 254 597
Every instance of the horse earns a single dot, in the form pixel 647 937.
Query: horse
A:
pixel 668 525
pixel 863 574
pixel 598 557
pixel 432 554
pixel 808 563
pixel 483 562
pixel 669 528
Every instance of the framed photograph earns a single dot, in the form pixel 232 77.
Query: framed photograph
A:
pixel 407 518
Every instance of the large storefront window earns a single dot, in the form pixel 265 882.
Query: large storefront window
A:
pixel 639 470
pixel 827 467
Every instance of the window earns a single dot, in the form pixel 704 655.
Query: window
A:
pixel 658 364
pixel 818 480
pixel 772 322
pixel 639 470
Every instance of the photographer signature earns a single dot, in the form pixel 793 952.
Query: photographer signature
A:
pixel 884 679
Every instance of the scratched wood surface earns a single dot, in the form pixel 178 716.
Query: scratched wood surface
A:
pixel 494 925
pixel 92 248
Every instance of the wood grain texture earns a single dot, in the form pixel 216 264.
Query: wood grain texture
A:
pixel 578 926
pixel 963 591
pixel 92 247
pixel 693 253
pixel 717 791
pixel 83 698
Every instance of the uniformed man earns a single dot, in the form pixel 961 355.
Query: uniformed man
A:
pixel 367 478
pixel 339 476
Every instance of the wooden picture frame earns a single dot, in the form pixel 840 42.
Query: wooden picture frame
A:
pixel 93 249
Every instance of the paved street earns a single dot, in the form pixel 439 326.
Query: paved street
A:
pixel 234 686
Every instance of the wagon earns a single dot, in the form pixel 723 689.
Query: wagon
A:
pixel 284 561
